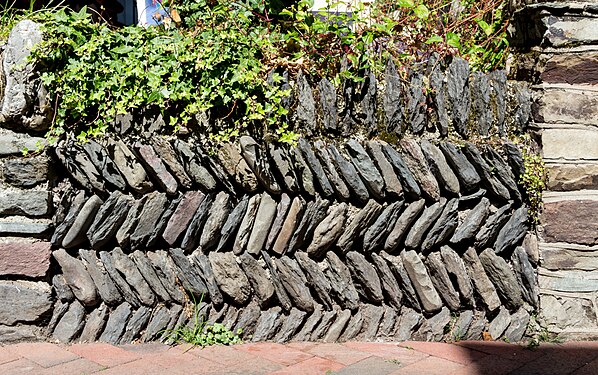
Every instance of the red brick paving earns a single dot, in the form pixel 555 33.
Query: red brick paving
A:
pixel 463 358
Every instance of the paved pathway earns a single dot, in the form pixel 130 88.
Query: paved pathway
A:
pixel 418 358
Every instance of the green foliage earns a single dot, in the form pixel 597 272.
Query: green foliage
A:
pixel 538 333
pixel 534 178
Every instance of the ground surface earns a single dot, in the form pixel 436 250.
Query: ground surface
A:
pixel 465 357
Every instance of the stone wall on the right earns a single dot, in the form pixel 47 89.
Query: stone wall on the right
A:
pixel 560 39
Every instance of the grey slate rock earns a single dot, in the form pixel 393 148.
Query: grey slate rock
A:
pixel 279 290
pixel 170 159
pixel 372 316
pixel 353 327
pixel 486 236
pixel 216 170
pixel 416 104
pixel 77 233
pixel 146 268
pixel 315 279
pixel 391 181
pixel 155 235
pixel 203 266
pixel 398 269
pixel 420 279
pixel 328 231
pixel 469 201
pixel 95 324
pixel 472 222
pixel 70 324
pixel 292 220
pixel 316 167
pixel 408 322
pixel 513 231
pixel 192 234
pixel 469 178
pixel 459 95
pixel 336 329
pixel 290 325
pixel 107 169
pixel 499 324
pixel 415 237
pixel 444 227
pixel 526 276
pixel 477 326
pixel 152 211
pixel 447 180
pixel 261 226
pixel 367 170
pixel 494 186
pixel 219 212
pixel 303 172
pixel 255 158
pixel 392 101
pixel 26 172
pixel 502 277
pixel 79 165
pixel 107 289
pixel 156 168
pixel 125 289
pixel 482 284
pixel 190 279
pixel 129 166
pixel 133 277
pixel 24 301
pixel 438 85
pixel 246 224
pixel 305 112
pixel 458 274
pixel 314 214
pixel 124 233
pixel 69 207
pixel 25 229
pixel 418 165
pixel 182 216
pixel 349 174
pixel 283 168
pixel 442 282
pixel 281 213
pixel 295 283
pixel 341 189
pixel 399 229
pixel 514 158
pixel 523 107
pixel 503 172
pixel 33 203
pixel 368 102
pixel 328 107
pixel 375 236
pixel 480 87
pixel 247 320
pixel 230 278
pixel 310 324
pixel 108 220
pixel 165 270
pixel 268 324
pixel 358 225
pixel 194 168
pixel 117 321
pixel 410 186
pixel 365 277
pixel 343 290
pixel 519 323
pixel 176 314
pixel 231 225
pixel 61 288
pixel 77 277
pixel 392 290
pixel 388 323
pixel 258 278
pixel 158 322
pixel 136 323
pixel 498 80
pixel 327 319
pixel 432 329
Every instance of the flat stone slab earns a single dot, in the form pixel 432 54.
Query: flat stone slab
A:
pixel 23 258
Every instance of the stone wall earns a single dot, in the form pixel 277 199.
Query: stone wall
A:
pixel 345 237
pixel 563 65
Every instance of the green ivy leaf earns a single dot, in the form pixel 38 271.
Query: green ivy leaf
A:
pixel 421 11
pixel 434 39
pixel 453 40
pixel 406 3
pixel 488 29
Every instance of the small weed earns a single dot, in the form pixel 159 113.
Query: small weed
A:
pixel 394 361
pixel 538 332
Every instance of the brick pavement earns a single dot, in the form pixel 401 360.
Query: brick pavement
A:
pixel 462 358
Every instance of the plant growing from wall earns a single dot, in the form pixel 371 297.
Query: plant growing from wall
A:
pixel 534 177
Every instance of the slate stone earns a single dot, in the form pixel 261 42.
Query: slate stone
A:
pixel 494 186
pixel 365 277
pixel 258 278
pixel 447 180
pixel 182 216
pixel 24 301
pixel 502 277
pixel 124 233
pixel 420 279
pixel 442 282
pixel 473 221
pixel 77 277
pixel 399 229
pixel 459 95
pixel 248 320
pixel 418 165
pixel 246 224
pixel 359 225
pixel 391 181
pixel 392 100
pixel 33 203
pixel 315 279
pixel 526 276
pixel 458 274
pixel 219 212
pixel 480 88
pixel 95 324
pixel 281 213
pixel 486 236
pixel 152 211
pixel 502 171
pixel 202 264
pixel 375 236
pixel 416 103
pixel 194 168
pixel 175 313
pixel 328 317
pixel 327 105
pixel 255 158
pixel 514 158
pixel 414 238
pixel 388 323
pixel 146 268
pixel 231 225
pixel 408 322
pixel 216 315
pixel 279 290
pixel 108 220
pixel 155 236
pixel 519 323
pixel 482 284
pixel 469 178
pixel 367 170
pixel 129 166
pixel 192 234
pixel 230 278
pixel 232 314
pixel 263 220
pixel 107 168
pixel 432 329
pixel 190 279
pixel 353 327
pixel 477 326
pixel 305 112
pixel 163 148
pixel 438 85
pixel 408 181
pixel 25 258
pixel 328 231
pixel 106 287
pixel 70 324
pixel 368 102
pixel 372 316
pixel 462 325
pixel 136 323
pixel 156 168
pixel 444 227
pixel 293 218
pixel 513 231
pixel 341 189
pixel 469 201
pixel 26 173
pixel 268 324
pixel 236 166
pixel 79 165
pixel 61 288
pixel 349 174
pixel 217 170
pixel 117 321
pixel 69 207
pixel 12 143
pixel 165 270
pixel 295 283
pixel 25 229
pixel 316 167
pixel 125 289
pixel 290 325
pixel 133 277
pixel 499 324
pixel 159 321
pixel 314 214
pixel 398 270
pixel 343 290
pixel 390 286
pixel 283 168
pixel 310 324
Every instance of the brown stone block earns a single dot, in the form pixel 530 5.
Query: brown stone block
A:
pixel 570 177
pixel 30 259
pixel 571 105
pixel 572 68
pixel 573 221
